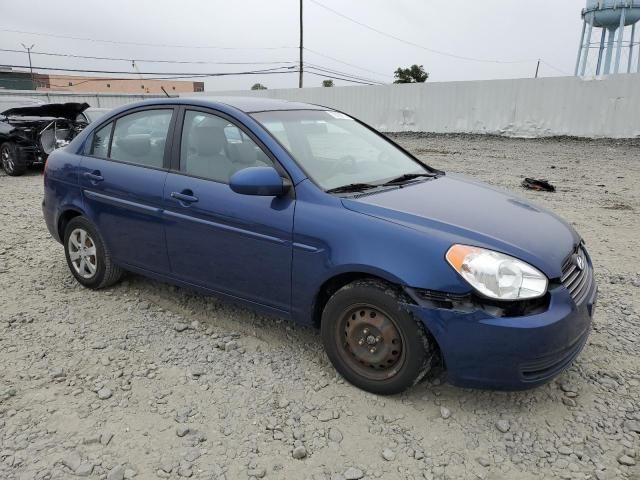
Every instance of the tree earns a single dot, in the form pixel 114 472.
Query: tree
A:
pixel 327 83
pixel 258 86
pixel 413 74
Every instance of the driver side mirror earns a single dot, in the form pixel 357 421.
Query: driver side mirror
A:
pixel 261 181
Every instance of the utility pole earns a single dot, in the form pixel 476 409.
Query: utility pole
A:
pixel 28 49
pixel 300 81
pixel 538 68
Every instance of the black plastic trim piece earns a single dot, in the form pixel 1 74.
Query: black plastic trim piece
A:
pixel 472 302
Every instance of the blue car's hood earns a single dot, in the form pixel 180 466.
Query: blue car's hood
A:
pixel 465 211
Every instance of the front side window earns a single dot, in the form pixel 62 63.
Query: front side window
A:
pixel 140 137
pixel 214 149
pixel 335 150
pixel 100 142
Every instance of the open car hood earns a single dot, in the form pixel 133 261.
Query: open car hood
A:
pixel 58 110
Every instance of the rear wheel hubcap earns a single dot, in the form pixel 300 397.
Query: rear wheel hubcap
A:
pixel 82 253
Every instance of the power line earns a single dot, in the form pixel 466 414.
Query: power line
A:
pixel 186 62
pixel 344 63
pixel 344 74
pixel 337 78
pixel 178 76
pixel 141 44
pixel 556 68
pixel 285 64
pixel 407 42
pixel 172 74
pixel 142 60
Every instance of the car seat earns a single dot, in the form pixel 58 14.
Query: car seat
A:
pixel 209 158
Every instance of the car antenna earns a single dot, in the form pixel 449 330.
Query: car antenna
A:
pixel 165 92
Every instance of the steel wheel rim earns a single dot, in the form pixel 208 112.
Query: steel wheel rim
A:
pixel 370 342
pixel 82 253
pixel 7 159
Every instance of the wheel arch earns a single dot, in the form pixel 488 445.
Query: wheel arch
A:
pixel 65 217
pixel 339 280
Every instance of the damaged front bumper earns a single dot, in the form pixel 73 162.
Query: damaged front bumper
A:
pixel 488 348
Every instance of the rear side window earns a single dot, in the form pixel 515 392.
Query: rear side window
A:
pixel 140 138
pixel 100 142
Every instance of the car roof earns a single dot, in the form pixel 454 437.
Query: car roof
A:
pixel 244 104
pixel 255 104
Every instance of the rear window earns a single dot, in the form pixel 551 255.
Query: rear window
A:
pixel 100 142
pixel 139 138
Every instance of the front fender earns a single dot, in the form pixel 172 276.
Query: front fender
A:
pixel 330 240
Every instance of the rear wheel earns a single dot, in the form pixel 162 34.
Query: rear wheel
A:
pixel 11 159
pixel 87 256
pixel 372 341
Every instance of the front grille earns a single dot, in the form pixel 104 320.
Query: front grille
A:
pixel 575 279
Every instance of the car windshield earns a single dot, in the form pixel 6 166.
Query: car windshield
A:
pixel 336 151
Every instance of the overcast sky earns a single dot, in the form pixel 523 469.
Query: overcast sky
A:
pixel 497 30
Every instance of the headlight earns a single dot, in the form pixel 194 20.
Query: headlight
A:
pixel 496 275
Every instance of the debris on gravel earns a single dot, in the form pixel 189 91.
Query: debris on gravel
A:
pixel 353 474
pixel 388 454
pixel 299 452
pixel 503 425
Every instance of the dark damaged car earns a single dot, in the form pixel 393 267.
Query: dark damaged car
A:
pixel 29 134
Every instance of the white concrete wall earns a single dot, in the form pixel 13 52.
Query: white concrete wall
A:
pixel 602 107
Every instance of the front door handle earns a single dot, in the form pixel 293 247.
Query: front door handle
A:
pixel 184 197
pixel 94 177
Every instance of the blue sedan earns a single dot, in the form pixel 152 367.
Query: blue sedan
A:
pixel 307 213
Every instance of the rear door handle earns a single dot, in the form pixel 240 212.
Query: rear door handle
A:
pixel 94 177
pixel 184 197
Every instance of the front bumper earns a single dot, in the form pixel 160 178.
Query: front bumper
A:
pixel 510 353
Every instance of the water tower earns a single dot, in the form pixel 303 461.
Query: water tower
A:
pixel 612 17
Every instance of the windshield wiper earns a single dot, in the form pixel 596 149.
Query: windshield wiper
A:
pixel 407 177
pixel 352 187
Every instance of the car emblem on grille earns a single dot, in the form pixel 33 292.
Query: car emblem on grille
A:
pixel 580 262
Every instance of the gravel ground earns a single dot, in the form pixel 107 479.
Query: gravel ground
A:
pixel 146 380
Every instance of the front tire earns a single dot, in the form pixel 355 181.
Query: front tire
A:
pixel 374 342
pixel 11 160
pixel 87 256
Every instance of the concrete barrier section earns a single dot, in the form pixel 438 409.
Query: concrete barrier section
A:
pixel 596 107
pixel 599 107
